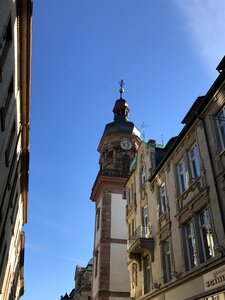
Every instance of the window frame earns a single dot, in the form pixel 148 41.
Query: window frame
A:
pixel 194 162
pixel 220 121
pixel 191 250
pixel 201 240
pixel 182 176
pixel 205 242
pixel 98 212
pixel 145 220
pixel 167 262
pixel 162 198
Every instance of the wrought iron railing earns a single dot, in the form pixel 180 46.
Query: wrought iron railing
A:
pixel 142 232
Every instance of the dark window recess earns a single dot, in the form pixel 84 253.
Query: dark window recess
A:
pixel 5 43
pixel 2 261
pixel 96 264
pixel 12 169
pixel 4 109
pixel 12 192
pixel 14 211
pixel 98 218
pixel 9 145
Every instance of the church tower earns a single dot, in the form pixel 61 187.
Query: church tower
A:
pixel 118 146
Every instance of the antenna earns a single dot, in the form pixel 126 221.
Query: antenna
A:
pixel 143 126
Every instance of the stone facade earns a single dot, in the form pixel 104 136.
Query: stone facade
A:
pixel 175 208
pixel 15 64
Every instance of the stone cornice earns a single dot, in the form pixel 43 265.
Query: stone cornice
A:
pixel 107 183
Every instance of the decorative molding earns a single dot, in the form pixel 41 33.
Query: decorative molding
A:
pixel 194 205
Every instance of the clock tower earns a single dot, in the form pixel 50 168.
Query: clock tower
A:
pixel 118 146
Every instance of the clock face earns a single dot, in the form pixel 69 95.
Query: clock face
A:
pixel 125 144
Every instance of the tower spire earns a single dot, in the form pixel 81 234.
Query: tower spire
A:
pixel 121 90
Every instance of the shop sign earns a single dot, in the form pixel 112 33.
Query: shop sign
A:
pixel 214 278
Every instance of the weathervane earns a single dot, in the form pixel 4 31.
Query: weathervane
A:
pixel 121 90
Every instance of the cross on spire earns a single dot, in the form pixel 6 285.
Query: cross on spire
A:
pixel 121 90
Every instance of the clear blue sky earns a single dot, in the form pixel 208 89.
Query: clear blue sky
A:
pixel 166 51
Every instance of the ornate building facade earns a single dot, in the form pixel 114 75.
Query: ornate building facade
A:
pixel 15 75
pixel 176 210
pixel 118 146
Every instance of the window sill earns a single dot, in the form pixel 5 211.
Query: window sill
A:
pixel 195 184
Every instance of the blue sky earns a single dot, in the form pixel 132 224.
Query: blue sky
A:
pixel 166 51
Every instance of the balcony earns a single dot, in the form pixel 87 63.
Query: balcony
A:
pixel 113 172
pixel 140 243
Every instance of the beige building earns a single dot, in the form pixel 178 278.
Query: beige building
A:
pixel 15 64
pixel 83 283
pixel 83 278
pixel 176 209
pixel 117 149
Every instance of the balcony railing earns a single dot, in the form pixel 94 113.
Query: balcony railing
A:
pixel 140 240
pixel 113 172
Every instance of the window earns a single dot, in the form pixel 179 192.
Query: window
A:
pixel 166 261
pixel 5 42
pixel 206 238
pixel 221 126
pixel 145 221
pixel 146 273
pixel 5 107
pixel 194 160
pixel 142 176
pixel 9 144
pixel 190 245
pixel 198 243
pixel 128 196
pixel 162 198
pixel 96 264
pixel 97 218
pixel 131 228
pixel 132 192
pixel 181 170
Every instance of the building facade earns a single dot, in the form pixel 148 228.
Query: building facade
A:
pixel 83 283
pixel 175 209
pixel 117 148
pixel 15 65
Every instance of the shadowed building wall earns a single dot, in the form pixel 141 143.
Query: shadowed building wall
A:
pixel 15 65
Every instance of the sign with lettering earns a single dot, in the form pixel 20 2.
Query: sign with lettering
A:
pixel 214 278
